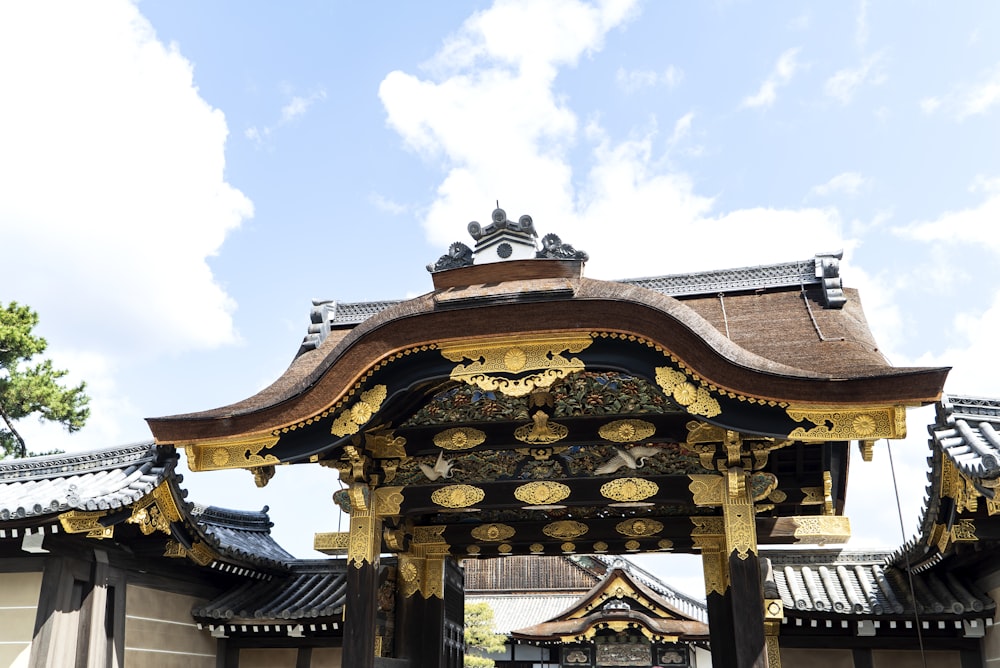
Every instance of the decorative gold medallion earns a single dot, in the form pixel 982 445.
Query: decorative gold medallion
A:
pixel 493 532
pixel 568 548
pixel 665 544
pixel 626 431
pixel 629 489
pixel 565 529
pixel 542 493
pixel 600 546
pixel 473 549
pixel 696 400
pixel 459 438
pixel 848 423
pixel 458 496
pixel 350 420
pixel 638 526
pixel 537 548
pixel 504 548
pixel 632 545
pixel 480 361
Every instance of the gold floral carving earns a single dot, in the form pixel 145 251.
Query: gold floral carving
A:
pixel 361 543
pixel 778 496
pixel 626 431
pixel 542 493
pixel 629 489
pixel 174 550
pixel 964 531
pixel 665 544
pixel 697 400
pixel 350 420
pixel 741 532
pixel 812 496
pixel 773 652
pixel 568 548
pixel 473 550
pixel 565 529
pixel 384 444
pixel 600 546
pixel 638 527
pixel 149 519
pixel 458 496
pixel 707 489
pixel 536 548
pixel 493 533
pixel 238 453
pixel 833 423
pixel 504 548
pixel 81 521
pixel 201 554
pixel 822 529
pixel 459 438
pixel 335 542
pixel 541 431
pixel 632 545
pixel 480 361
pixel 429 535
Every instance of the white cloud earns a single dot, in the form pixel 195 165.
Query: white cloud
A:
pixel 296 107
pixel 631 81
pixel 968 98
pixel 626 209
pixel 111 180
pixel 862 29
pixel 781 75
pixel 845 83
pixel 387 205
pixel 682 128
pixel 976 225
pixel 847 183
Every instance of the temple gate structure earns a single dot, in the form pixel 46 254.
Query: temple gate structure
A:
pixel 520 408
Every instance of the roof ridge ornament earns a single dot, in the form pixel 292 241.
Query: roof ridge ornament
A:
pixel 502 240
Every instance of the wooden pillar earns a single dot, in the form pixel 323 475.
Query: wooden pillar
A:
pixel 732 573
pixel 420 628
pixel 362 579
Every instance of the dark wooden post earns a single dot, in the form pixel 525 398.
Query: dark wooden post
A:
pixel 362 580
pixel 420 629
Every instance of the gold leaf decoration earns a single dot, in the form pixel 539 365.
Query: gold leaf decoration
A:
pixel 632 545
pixel 665 544
pixel 565 529
pixel 458 496
pixel 542 493
pixel 242 452
pixel 835 423
pixel 629 489
pixel 600 546
pixel 504 548
pixel 537 548
pixel 638 526
pixel 568 548
pixel 480 361
pixel 459 438
pixel 493 532
pixel 626 431
pixel 696 400
pixel 350 420
pixel 822 529
pixel 336 541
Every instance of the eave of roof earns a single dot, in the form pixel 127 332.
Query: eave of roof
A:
pixel 854 370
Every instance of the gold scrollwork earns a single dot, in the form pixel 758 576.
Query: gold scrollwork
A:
pixel 334 542
pixel 201 554
pixel 388 501
pixel 638 527
pixel 629 489
pixel 565 529
pixel 82 521
pixel 384 444
pixel 459 438
pixel 238 453
pixel 541 431
pixel 964 531
pixel 741 534
pixel 833 423
pixel 458 496
pixel 822 529
pixel 350 420
pixel 542 353
pixel 697 400
pixel 626 431
pixel 707 489
pixel 493 533
pixel 542 493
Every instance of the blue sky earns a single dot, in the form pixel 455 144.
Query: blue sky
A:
pixel 178 179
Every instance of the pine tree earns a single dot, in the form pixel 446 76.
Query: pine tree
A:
pixel 31 389
pixel 479 636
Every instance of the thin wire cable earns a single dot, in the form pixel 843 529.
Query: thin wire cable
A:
pixel 906 556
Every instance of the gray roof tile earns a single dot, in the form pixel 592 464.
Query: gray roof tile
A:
pixel 98 480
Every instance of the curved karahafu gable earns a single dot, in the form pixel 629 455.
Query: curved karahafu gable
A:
pixel 762 360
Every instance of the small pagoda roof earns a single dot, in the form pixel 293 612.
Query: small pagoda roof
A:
pixel 311 590
pixel 619 598
pixel 99 480
pixel 864 585
pixel 241 534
